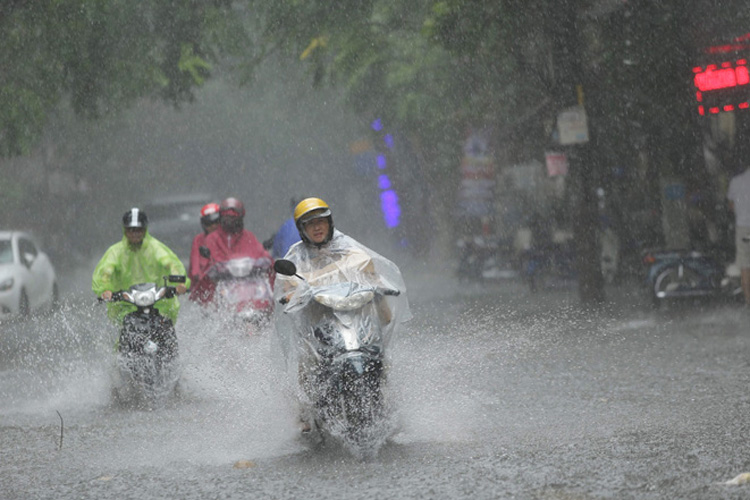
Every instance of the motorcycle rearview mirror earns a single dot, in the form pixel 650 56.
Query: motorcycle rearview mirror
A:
pixel 205 252
pixel 286 267
pixel 176 278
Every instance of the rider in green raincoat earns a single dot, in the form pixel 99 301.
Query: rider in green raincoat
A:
pixel 138 258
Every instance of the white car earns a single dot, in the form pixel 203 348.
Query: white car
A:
pixel 27 278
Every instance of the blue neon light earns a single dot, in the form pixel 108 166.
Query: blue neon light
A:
pixel 384 182
pixel 390 207
pixel 388 197
pixel 382 162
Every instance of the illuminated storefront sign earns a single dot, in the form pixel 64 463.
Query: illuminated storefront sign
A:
pixel 725 85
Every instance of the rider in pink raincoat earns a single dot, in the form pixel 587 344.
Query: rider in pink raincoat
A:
pixel 232 241
pixel 198 264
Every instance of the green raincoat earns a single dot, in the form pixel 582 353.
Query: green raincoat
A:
pixel 121 267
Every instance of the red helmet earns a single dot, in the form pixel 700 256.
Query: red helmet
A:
pixel 232 205
pixel 210 213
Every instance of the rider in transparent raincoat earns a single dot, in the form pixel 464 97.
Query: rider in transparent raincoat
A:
pixel 326 256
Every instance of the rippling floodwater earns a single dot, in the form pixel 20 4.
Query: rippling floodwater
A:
pixel 499 395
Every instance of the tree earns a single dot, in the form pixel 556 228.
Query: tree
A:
pixel 427 67
pixel 436 67
pixel 102 55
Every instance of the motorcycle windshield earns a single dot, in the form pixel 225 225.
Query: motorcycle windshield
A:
pixel 242 267
pixel 345 297
pixel 244 290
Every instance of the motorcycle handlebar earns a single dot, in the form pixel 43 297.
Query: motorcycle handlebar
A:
pixel 387 291
pixel 171 290
pixel 116 296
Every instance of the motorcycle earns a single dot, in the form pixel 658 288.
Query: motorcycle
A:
pixel 543 264
pixel 342 369
pixel 147 349
pixel 674 274
pixel 483 258
pixel 242 289
pixel 555 262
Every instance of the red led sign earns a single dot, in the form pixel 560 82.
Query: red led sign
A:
pixel 718 86
pixel 712 79
pixel 738 44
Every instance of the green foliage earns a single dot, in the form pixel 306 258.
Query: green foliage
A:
pixel 102 55
pixel 388 58
pixel 13 196
pixel 23 115
pixel 428 67
pixel 195 66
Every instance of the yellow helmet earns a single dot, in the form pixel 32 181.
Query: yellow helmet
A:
pixel 308 205
pixel 312 208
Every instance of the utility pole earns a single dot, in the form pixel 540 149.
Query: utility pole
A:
pixel 569 91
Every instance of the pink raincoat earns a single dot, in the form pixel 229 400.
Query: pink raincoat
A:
pixel 225 246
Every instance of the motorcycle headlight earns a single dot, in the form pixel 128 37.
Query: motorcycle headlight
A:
pixel 6 284
pixel 347 303
pixel 144 298
pixel 239 268
pixel 247 315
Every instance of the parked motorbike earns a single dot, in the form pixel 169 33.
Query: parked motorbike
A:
pixel 674 274
pixel 147 349
pixel 555 262
pixel 342 340
pixel 541 265
pixel 483 258
pixel 242 289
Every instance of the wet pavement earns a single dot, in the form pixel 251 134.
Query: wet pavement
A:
pixel 500 394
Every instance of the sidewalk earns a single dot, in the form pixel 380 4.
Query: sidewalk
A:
pixel 439 283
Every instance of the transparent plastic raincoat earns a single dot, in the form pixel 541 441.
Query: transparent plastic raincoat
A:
pixel 122 266
pixel 342 259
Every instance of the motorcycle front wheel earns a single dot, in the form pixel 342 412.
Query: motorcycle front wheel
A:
pixel 362 402
pixel 671 281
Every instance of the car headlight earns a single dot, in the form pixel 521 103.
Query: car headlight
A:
pixel 6 284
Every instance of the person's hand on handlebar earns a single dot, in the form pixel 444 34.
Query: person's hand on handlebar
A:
pixel 180 288
pixel 106 295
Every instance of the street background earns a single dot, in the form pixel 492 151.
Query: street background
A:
pixel 500 394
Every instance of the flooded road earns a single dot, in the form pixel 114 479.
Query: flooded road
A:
pixel 499 395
